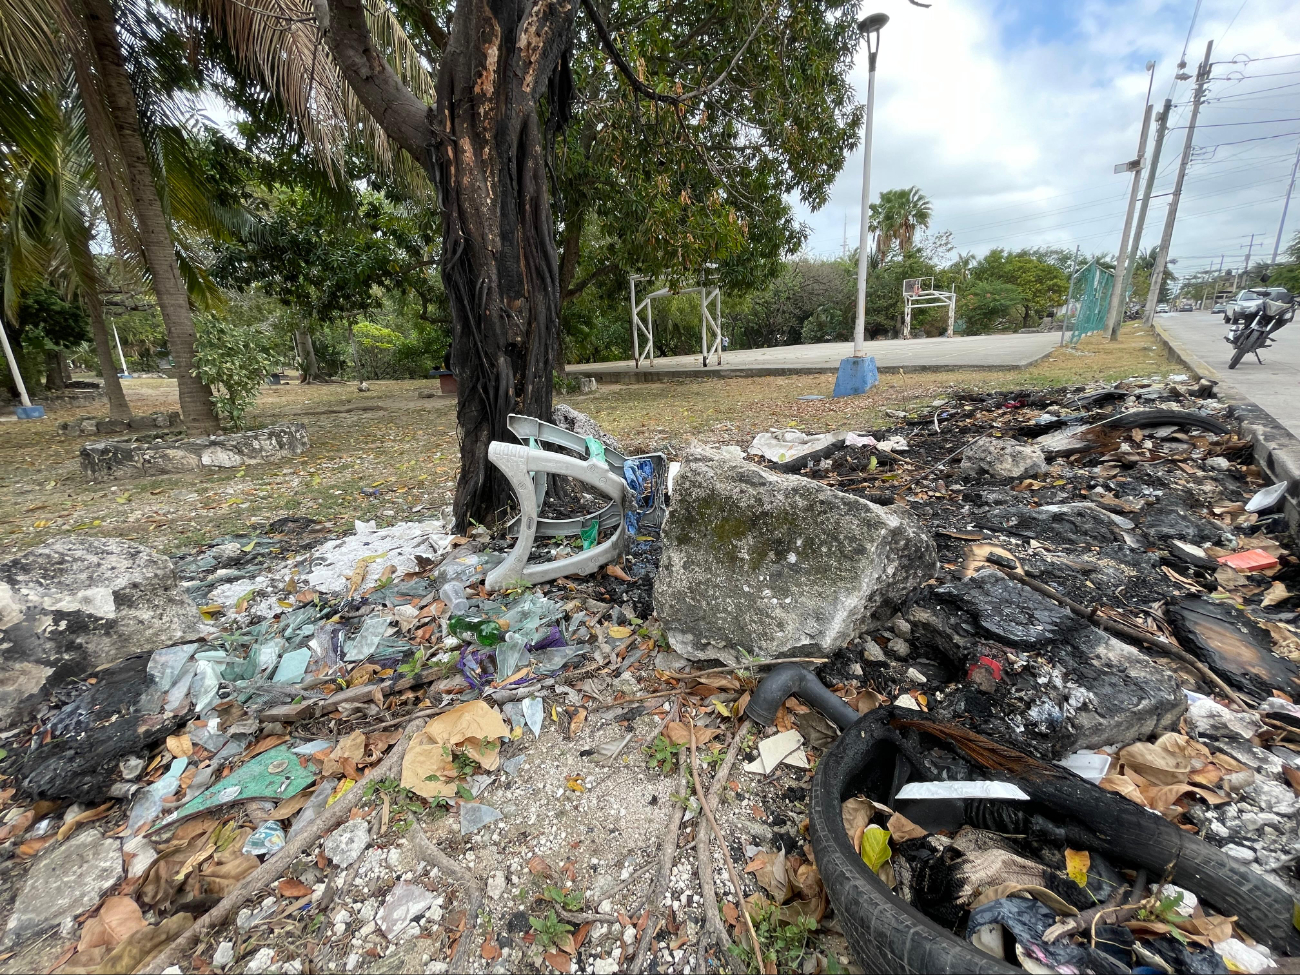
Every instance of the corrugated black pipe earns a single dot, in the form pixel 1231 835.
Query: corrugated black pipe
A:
pixel 792 679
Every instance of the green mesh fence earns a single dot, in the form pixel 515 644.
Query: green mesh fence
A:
pixel 1091 289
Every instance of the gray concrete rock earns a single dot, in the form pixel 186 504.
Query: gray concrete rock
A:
pixel 112 460
pixel 761 565
pixel 348 842
pixel 583 425
pixel 66 879
pixel 1002 458
pixel 587 384
pixel 77 603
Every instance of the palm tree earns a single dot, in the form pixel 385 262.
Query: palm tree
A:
pixel 46 205
pixel 896 218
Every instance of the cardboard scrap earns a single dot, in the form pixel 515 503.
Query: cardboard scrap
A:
pixel 472 728
pixel 786 747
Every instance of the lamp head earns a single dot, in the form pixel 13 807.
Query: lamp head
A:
pixel 872 23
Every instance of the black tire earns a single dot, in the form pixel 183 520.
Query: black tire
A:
pixel 887 934
pixel 1246 346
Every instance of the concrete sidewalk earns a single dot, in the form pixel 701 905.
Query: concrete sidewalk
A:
pixel 1265 398
pixel 892 355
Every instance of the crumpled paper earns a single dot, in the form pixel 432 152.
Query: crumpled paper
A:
pixel 474 729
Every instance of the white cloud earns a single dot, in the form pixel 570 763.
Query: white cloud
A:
pixel 1010 117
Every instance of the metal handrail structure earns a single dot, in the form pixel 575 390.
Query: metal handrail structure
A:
pixel 710 320
pixel 920 293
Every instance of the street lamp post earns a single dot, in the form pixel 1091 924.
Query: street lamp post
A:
pixel 858 373
pixel 870 28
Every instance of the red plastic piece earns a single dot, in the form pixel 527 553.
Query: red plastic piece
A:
pixel 990 663
pixel 1253 560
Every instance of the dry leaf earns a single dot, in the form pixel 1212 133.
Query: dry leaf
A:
pixel 577 721
pixel 772 875
pixel 289 887
pixel 1292 776
pixel 1157 765
pixel 617 573
pixel 902 829
pixel 1163 797
pixel 117 919
pixel 1124 786
pixel 678 732
pixel 1276 594
pixel 180 746
pixel 857 813
pixel 559 961
pixel 1041 894
pixel 1077 863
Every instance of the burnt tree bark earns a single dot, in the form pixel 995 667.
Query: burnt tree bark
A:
pixel 484 145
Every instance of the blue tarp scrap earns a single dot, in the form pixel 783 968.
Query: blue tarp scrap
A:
pixel 639 473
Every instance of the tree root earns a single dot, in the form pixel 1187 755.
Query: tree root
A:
pixel 702 849
pixel 667 854
pixel 458 874
pixel 275 867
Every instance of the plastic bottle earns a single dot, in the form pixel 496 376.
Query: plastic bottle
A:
pixel 487 633
pixel 453 594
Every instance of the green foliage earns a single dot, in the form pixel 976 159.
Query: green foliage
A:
pixel 45 319
pixel 1042 286
pixel 784 945
pixel 661 754
pixel 550 930
pixel 568 898
pixel 896 217
pixel 807 301
pixel 233 359
pixel 984 305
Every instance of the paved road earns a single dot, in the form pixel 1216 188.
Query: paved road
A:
pixel 916 355
pixel 1273 386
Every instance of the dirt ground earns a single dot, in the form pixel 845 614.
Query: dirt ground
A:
pixel 387 455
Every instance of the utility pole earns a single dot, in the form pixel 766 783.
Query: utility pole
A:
pixel 1118 295
pixel 1162 255
pixel 1277 243
pixel 1065 319
pixel 1245 271
pixel 1135 248
pixel 1117 292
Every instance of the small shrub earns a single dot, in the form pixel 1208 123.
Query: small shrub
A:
pixel 234 361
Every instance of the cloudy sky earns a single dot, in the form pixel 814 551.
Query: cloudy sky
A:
pixel 1010 115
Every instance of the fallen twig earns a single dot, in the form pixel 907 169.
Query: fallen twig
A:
pixel 756 665
pixel 707 808
pixel 654 901
pixel 1119 629
pixel 1112 911
pixel 275 867
pixel 704 860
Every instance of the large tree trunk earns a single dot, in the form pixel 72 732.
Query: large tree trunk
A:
pixel 53 370
pixel 308 367
pixel 499 264
pixel 151 222
pixel 118 408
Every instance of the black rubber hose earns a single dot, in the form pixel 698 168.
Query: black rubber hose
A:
pixel 790 679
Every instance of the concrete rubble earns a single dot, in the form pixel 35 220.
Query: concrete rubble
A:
pixel 113 460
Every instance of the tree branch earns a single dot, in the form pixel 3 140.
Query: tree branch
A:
pixel 590 279
pixel 404 118
pixel 640 86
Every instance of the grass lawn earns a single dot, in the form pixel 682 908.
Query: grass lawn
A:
pixel 389 456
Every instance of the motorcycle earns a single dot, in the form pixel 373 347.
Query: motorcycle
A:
pixel 1253 331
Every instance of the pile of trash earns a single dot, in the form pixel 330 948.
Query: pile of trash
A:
pixel 1100 579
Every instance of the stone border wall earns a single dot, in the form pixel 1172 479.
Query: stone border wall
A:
pixel 92 426
pixel 113 460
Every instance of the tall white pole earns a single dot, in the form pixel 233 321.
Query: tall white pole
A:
pixel 1277 243
pixel 860 323
pixel 118 340
pixel 13 368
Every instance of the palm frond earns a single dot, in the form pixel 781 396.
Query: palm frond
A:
pixel 281 43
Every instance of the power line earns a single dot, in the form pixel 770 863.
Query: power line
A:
pixel 1262 138
pixel 1263 121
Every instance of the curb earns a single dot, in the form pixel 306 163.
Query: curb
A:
pixel 1277 449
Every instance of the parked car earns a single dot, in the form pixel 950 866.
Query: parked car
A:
pixel 1186 305
pixel 1162 309
pixel 1218 309
pixel 1250 301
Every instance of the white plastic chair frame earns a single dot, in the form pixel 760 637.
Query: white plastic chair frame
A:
pixel 518 463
